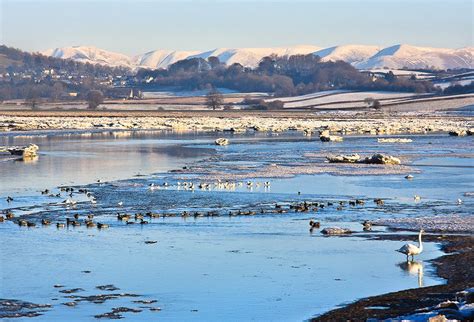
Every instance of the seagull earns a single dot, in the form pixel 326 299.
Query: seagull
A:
pixel 412 250
pixel 120 203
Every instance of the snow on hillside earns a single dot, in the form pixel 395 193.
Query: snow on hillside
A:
pixel 400 56
pixel 360 56
pixel 89 54
pixel 307 96
pixel 161 58
pixel 341 99
pixel 250 57
pixel 349 53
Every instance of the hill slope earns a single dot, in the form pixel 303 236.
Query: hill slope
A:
pixel 360 56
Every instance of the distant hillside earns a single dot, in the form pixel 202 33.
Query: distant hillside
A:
pixel 360 56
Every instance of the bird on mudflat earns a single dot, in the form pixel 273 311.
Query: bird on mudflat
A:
pixel 412 250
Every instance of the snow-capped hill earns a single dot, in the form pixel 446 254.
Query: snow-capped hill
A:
pixel 90 54
pixel 400 56
pixel 161 58
pixel 351 54
pixel 250 57
pixel 360 56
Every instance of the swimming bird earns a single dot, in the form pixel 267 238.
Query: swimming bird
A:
pixel 367 225
pixel 313 224
pixel 459 201
pixel 412 250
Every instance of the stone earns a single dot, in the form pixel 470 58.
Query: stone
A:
pixel 221 141
pixel 29 151
pixel 458 133
pixel 336 231
pixel 379 158
pixel 394 140
pixel 344 158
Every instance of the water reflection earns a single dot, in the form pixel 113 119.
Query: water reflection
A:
pixel 28 159
pixel 414 268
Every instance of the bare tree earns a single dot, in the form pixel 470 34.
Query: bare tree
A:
pixel 94 99
pixel 214 99
pixel 376 105
pixel 32 98
pixel 57 91
pixel 373 103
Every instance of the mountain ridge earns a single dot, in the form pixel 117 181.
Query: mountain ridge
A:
pixel 360 56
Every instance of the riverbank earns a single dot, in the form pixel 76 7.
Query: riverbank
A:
pixel 340 122
pixel 454 267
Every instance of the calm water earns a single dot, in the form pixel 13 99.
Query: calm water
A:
pixel 264 267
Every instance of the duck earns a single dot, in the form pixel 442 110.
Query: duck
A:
pixel 60 225
pixel 412 250
pixel 2 219
pixel 9 199
pixel 314 224
pixel 379 201
pixel 9 215
pixel 367 225
pixel 45 222
pixel 102 226
pixel 90 224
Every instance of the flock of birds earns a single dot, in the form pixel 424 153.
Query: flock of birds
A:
pixel 139 218
pixel 88 221
pixel 219 184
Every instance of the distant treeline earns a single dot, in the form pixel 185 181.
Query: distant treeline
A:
pixel 459 89
pixel 284 76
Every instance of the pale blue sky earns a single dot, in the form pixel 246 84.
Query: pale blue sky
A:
pixel 133 27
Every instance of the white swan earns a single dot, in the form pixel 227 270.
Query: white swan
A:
pixel 412 250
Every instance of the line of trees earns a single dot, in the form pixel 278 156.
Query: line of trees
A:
pixel 284 76
pixel 459 89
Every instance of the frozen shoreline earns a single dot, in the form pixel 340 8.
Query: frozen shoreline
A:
pixel 358 124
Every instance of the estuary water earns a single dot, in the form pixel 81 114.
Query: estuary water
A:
pixel 219 267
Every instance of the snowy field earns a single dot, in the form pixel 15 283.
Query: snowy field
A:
pixel 169 93
pixel 463 82
pixel 402 72
pixel 342 99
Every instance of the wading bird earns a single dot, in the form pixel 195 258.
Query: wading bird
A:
pixel 412 250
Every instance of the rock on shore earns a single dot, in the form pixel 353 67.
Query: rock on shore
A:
pixel 377 158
